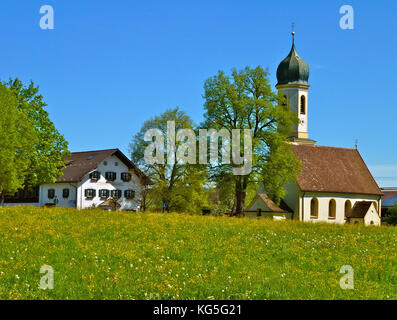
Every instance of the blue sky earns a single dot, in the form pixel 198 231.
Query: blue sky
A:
pixel 109 65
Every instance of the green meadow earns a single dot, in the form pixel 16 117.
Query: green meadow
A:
pixel 117 255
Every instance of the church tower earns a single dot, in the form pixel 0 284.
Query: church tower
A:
pixel 292 81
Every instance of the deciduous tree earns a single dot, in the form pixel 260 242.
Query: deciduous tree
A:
pixel 48 159
pixel 245 100
pixel 180 186
pixel 17 143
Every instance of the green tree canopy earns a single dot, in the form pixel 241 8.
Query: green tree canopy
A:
pixel 48 159
pixel 17 143
pixel 180 186
pixel 391 217
pixel 245 100
pixel 32 150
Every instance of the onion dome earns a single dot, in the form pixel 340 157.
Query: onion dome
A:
pixel 293 69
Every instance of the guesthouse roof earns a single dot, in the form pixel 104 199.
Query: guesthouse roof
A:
pixel 78 164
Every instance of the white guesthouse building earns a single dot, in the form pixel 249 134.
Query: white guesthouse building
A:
pixel 334 184
pixel 103 178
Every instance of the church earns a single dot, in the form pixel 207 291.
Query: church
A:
pixel 334 184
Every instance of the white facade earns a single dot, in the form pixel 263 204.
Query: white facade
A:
pixel 69 202
pixel 110 164
pixel 266 212
pixel 372 217
pixel 297 97
pixel 300 203
pixel 76 191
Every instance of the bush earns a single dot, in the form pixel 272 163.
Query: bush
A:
pixel 391 218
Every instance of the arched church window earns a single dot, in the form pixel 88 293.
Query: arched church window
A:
pixel 314 208
pixel 348 208
pixel 332 209
pixel 303 104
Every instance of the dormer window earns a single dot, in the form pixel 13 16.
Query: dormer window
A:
pixel 126 176
pixel 90 193
pixel 95 176
pixel 129 194
pixel 110 176
pixel 116 194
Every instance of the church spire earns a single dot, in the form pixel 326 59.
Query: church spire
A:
pixel 293 82
pixel 293 33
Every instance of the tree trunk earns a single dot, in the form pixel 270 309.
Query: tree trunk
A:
pixel 241 187
pixel 143 202
pixel 1 198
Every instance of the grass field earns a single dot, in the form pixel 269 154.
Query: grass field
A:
pixel 108 255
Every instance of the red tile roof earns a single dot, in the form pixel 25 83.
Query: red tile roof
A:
pixel 388 194
pixel 331 169
pixel 78 164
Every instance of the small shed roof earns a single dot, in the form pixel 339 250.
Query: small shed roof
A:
pixel 360 209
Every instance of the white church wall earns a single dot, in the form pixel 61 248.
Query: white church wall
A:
pixel 323 205
pixel 303 125
pixel 294 95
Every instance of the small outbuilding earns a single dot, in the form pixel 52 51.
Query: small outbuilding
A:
pixel 364 212
pixel 263 207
